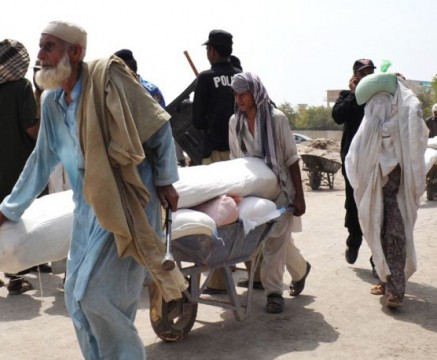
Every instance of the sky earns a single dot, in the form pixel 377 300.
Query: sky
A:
pixel 299 48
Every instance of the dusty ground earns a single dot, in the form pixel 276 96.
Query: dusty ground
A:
pixel 334 318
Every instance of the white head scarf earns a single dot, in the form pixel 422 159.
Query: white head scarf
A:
pixel 265 131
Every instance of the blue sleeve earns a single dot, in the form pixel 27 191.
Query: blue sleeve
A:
pixel 160 98
pixel 33 178
pixel 161 153
pixel 154 92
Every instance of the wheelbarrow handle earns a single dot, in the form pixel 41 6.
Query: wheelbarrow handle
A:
pixel 289 209
pixel 168 263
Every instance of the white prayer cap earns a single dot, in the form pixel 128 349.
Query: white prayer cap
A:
pixel 66 31
pixel 434 107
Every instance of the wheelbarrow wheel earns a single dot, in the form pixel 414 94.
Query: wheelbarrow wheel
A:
pixel 315 179
pixel 177 319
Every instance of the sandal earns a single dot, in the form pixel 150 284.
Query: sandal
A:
pixel 19 286
pixel 256 284
pixel 296 287
pixel 23 272
pixel 2 283
pixel 378 289
pixel 275 304
pixel 212 291
pixel 393 302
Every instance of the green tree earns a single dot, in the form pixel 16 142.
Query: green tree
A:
pixel 434 87
pixel 316 118
pixel 289 112
pixel 427 100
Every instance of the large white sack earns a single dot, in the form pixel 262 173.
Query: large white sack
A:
pixel 241 177
pixel 432 143
pixel 430 158
pixel 41 235
pixel 191 222
pixel 255 211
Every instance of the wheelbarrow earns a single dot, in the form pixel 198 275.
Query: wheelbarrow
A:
pixel 197 254
pixel 321 171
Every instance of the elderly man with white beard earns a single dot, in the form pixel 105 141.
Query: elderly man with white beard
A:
pixel 98 121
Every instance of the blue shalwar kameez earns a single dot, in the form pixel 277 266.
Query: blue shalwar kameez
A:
pixel 101 290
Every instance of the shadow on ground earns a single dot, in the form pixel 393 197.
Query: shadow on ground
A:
pixel 47 296
pixel 297 329
pixel 419 306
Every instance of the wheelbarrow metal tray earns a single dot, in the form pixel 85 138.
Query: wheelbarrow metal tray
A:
pixel 230 247
pixel 320 170
pixel 320 164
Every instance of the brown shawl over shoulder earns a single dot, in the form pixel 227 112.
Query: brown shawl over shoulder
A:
pixel 115 117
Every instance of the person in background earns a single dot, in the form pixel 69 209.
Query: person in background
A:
pixel 386 168
pixel 213 105
pixel 37 89
pixel 347 112
pixel 117 192
pixel 431 122
pixel 18 129
pixel 235 62
pixel 128 57
pixel 258 129
pixel 213 102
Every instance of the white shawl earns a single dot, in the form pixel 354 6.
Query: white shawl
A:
pixel 409 135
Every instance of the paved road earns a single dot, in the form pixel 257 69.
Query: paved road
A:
pixel 334 318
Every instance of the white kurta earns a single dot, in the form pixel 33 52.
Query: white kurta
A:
pixel 279 249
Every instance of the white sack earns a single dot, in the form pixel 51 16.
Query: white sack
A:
pixel 430 158
pixel 41 235
pixel 241 177
pixel 191 222
pixel 255 211
pixel 432 142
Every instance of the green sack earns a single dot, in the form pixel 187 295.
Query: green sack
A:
pixel 373 84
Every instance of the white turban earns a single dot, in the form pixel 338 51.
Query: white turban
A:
pixel 434 107
pixel 68 32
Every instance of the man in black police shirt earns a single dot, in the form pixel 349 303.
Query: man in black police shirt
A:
pixel 346 111
pixel 213 106
pixel 213 102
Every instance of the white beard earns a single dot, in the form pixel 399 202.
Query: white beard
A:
pixel 53 78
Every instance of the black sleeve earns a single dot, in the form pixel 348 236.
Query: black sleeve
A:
pixel 345 107
pixel 200 103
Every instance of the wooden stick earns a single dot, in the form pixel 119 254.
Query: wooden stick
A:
pixel 191 63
